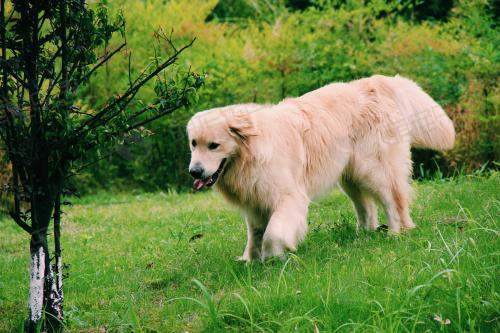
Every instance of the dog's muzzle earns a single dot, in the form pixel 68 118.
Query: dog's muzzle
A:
pixel 199 183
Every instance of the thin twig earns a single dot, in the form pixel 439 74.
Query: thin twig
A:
pixel 103 61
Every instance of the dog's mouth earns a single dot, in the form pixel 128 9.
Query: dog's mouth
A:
pixel 198 184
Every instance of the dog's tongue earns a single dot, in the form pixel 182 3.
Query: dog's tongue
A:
pixel 199 183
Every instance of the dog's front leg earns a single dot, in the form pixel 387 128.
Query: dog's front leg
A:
pixel 256 224
pixel 286 228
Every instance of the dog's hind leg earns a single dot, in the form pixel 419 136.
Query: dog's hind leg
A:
pixel 364 204
pixel 371 222
pixel 389 181
pixel 256 225
pixel 395 198
pixel 401 193
pixel 287 226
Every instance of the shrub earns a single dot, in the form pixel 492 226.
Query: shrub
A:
pixel 286 52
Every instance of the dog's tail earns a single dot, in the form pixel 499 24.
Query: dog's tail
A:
pixel 428 124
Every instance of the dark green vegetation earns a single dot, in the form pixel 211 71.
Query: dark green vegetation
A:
pixel 165 262
pixel 265 50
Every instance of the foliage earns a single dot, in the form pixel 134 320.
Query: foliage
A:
pixel 172 268
pixel 280 51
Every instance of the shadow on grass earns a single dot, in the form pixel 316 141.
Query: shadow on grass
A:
pixel 341 233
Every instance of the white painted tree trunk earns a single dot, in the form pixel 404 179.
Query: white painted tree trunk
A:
pixel 37 279
pixel 55 296
pixel 59 277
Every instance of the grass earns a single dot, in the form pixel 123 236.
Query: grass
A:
pixel 165 263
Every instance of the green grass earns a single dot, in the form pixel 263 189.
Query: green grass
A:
pixel 157 262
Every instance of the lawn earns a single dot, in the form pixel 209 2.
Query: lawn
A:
pixel 166 263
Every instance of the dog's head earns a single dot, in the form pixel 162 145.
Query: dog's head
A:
pixel 216 137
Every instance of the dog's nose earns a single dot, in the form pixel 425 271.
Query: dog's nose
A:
pixel 196 171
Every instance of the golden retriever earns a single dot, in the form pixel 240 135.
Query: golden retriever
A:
pixel 272 160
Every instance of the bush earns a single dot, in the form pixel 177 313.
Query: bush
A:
pixel 287 52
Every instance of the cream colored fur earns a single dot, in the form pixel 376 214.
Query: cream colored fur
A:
pixel 280 157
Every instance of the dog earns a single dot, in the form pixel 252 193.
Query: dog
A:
pixel 272 160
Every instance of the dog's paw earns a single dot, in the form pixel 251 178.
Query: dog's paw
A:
pixel 244 258
pixel 249 256
pixel 408 226
pixel 374 227
pixel 271 251
pixel 276 260
pixel 272 248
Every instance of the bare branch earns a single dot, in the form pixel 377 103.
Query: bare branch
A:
pixel 103 61
pixel 160 34
pixel 83 167
pixel 51 87
pixel 49 65
pixel 149 120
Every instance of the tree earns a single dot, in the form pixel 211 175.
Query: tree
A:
pixel 49 51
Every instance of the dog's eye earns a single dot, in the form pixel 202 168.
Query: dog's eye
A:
pixel 193 143
pixel 213 145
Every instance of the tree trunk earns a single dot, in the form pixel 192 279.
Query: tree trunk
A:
pixel 45 294
pixel 53 303
pixel 45 290
pixel 54 306
pixel 37 283
pixel 57 245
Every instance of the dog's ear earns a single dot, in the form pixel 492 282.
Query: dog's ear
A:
pixel 240 126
